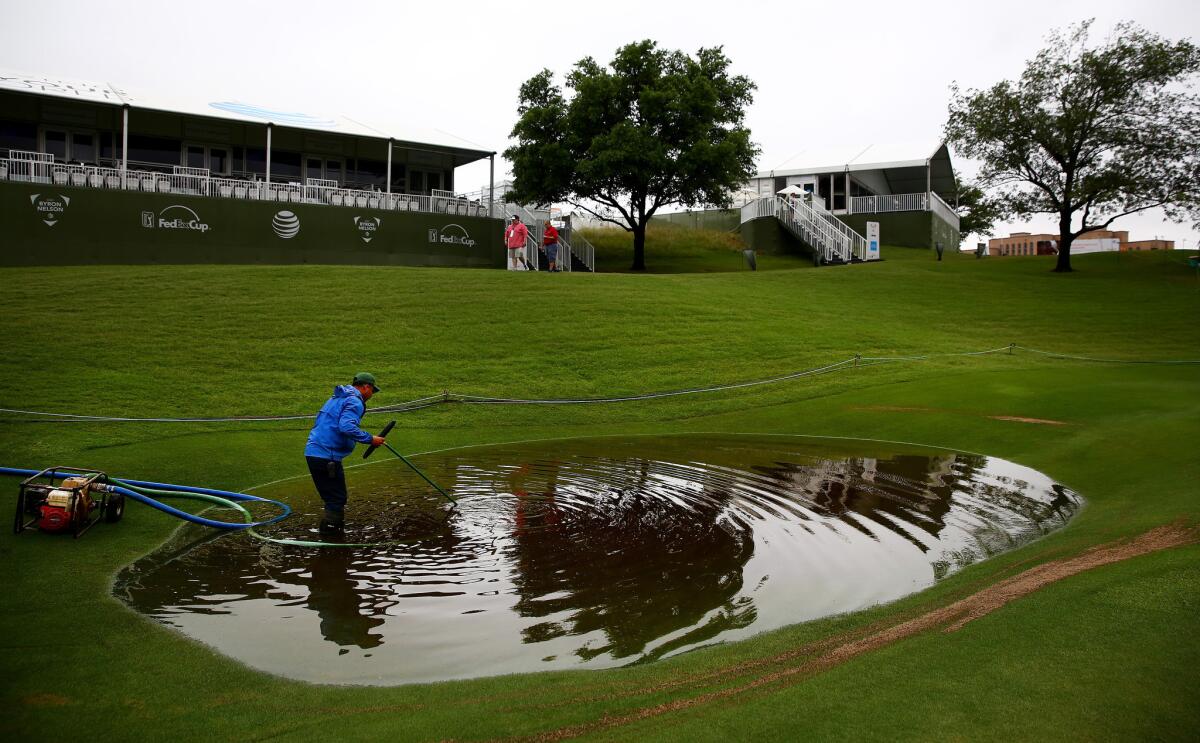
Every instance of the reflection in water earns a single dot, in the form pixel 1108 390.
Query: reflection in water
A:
pixel 590 553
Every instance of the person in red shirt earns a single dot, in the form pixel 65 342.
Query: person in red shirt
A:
pixel 514 239
pixel 550 245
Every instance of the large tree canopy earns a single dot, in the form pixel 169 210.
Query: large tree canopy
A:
pixel 977 212
pixel 654 128
pixel 1089 134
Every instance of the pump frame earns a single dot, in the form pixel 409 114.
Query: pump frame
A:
pixel 33 491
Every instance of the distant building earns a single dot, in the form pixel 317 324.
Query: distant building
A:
pixel 1096 241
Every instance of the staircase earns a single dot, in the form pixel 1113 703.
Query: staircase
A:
pixel 582 253
pixel 828 238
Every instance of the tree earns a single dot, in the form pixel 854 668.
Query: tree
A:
pixel 977 212
pixel 1090 134
pixel 654 128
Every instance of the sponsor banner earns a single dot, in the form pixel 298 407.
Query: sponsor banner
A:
pixel 45 224
pixel 451 234
pixel 50 207
pixel 367 227
pixel 872 241
pixel 286 225
pixel 175 217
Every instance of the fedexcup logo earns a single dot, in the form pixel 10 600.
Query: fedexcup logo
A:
pixel 175 217
pixel 286 225
pixel 367 227
pixel 50 208
pixel 451 234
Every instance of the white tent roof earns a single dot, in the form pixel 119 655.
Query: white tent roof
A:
pixel 906 171
pixel 231 108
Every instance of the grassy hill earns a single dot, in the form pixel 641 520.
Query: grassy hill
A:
pixel 1109 653
pixel 674 248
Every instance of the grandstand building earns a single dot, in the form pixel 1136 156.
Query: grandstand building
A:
pixel 92 173
pixel 912 199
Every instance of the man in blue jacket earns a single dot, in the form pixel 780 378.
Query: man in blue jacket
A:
pixel 331 440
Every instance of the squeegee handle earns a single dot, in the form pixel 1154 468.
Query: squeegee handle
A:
pixel 417 469
pixel 386 430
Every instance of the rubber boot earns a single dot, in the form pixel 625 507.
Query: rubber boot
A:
pixel 333 524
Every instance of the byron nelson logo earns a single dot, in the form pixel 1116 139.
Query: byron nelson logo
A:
pixel 367 227
pixel 175 217
pixel 451 234
pixel 50 208
pixel 286 225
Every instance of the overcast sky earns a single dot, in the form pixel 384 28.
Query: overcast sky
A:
pixel 831 76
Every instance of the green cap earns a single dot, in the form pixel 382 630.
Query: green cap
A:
pixel 365 378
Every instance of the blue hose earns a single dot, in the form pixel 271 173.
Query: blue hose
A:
pixel 285 509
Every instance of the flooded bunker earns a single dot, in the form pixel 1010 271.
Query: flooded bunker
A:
pixel 588 553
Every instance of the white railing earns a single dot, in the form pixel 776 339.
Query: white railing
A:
pixel 857 243
pixel 36 167
pixel 900 202
pixel 905 202
pixel 29 167
pixel 944 210
pixel 580 247
pixel 809 225
pixel 760 207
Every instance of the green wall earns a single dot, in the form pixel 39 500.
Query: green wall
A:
pixel 707 219
pixel 906 229
pixel 102 226
pixel 767 235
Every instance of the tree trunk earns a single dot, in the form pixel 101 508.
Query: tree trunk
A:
pixel 639 248
pixel 1063 265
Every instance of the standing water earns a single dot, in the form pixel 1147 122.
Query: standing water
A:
pixel 588 553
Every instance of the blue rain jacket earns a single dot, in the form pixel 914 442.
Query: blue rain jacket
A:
pixel 334 434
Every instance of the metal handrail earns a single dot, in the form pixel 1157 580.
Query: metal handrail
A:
pixel 857 242
pixel 39 167
pixel 808 224
pixel 944 210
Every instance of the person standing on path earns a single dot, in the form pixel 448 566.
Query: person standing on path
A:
pixel 514 238
pixel 550 245
pixel 331 440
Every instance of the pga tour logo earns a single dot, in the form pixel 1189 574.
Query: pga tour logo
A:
pixel 367 227
pixel 286 225
pixel 50 208
pixel 175 217
pixel 451 234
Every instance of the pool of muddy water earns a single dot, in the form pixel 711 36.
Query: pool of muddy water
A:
pixel 588 553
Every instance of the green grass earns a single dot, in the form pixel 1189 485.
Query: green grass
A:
pixel 1113 653
pixel 677 249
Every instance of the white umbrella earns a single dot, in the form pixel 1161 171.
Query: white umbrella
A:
pixel 792 190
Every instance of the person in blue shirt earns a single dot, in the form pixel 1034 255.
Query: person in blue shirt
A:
pixel 331 440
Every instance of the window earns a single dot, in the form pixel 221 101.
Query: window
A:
pixel 213 157
pixel 18 136
pixel 370 173
pixel 194 157
pixel 285 166
pixel 156 150
pixel 256 160
pixel 56 144
pixel 328 168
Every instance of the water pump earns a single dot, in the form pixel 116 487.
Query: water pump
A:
pixel 62 499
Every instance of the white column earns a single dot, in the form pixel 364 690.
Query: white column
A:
pixel 848 192
pixel 389 168
pixel 268 159
pixel 124 143
pixel 492 185
pixel 928 187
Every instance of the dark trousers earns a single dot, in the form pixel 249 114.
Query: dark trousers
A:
pixel 330 479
